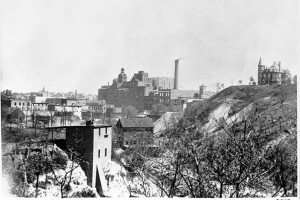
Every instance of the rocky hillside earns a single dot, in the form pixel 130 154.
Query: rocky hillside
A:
pixel 239 102
pixel 241 142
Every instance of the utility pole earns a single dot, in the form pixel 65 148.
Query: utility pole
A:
pixel 26 116
pixel 34 117
pixel 65 115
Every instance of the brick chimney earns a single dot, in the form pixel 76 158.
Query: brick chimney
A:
pixel 176 75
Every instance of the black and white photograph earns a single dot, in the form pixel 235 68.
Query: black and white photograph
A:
pixel 149 99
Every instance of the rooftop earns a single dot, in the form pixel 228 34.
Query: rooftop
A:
pixel 137 122
pixel 78 126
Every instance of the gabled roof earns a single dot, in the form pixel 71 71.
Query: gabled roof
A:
pixel 136 122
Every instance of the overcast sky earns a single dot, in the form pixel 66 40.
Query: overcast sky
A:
pixel 81 45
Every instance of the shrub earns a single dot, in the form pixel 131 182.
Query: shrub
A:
pixel 86 192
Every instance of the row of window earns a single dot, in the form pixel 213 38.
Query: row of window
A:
pixel 20 104
pixel 161 100
pixel 162 94
pixel 142 135
pixel 95 107
pixel 105 153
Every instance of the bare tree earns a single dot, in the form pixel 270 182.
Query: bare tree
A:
pixel 130 111
pixel 159 108
pixel 295 79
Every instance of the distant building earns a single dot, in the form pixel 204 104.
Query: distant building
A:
pixel 96 109
pixel 23 105
pixel 163 82
pixel 65 101
pixel 143 92
pixel 7 94
pixel 172 97
pixel 75 102
pixel 61 110
pixel 134 131
pixel 38 97
pixel 272 75
pixel 56 101
pixel 40 106
pixel 204 94
pixel 123 93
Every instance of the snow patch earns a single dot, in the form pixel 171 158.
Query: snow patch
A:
pixel 117 183
pixel 167 120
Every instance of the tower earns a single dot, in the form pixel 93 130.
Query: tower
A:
pixel 279 66
pixel 122 76
pixel 259 73
pixel 202 90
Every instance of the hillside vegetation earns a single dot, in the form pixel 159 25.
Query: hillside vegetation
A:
pixel 241 142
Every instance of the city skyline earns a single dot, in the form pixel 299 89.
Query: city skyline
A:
pixel 68 46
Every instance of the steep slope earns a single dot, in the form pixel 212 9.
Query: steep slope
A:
pixel 238 102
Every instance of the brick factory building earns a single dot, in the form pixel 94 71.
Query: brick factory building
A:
pixel 143 91
pixel 136 92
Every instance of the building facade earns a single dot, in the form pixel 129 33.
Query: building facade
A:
pixel 143 91
pixel 93 145
pixel 124 93
pixel 97 109
pixel 21 104
pixel 40 106
pixel 172 97
pixel 61 110
pixel 134 132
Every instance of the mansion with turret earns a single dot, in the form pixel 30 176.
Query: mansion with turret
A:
pixel 273 74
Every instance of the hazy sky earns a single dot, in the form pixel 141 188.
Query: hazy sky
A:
pixel 69 45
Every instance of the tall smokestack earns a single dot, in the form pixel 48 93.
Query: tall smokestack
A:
pixel 176 75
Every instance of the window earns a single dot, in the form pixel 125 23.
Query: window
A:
pixel 23 104
pixel 127 142
pixel 19 103
pixel 105 152
pixel 106 135
pixel 99 153
pixel 15 103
